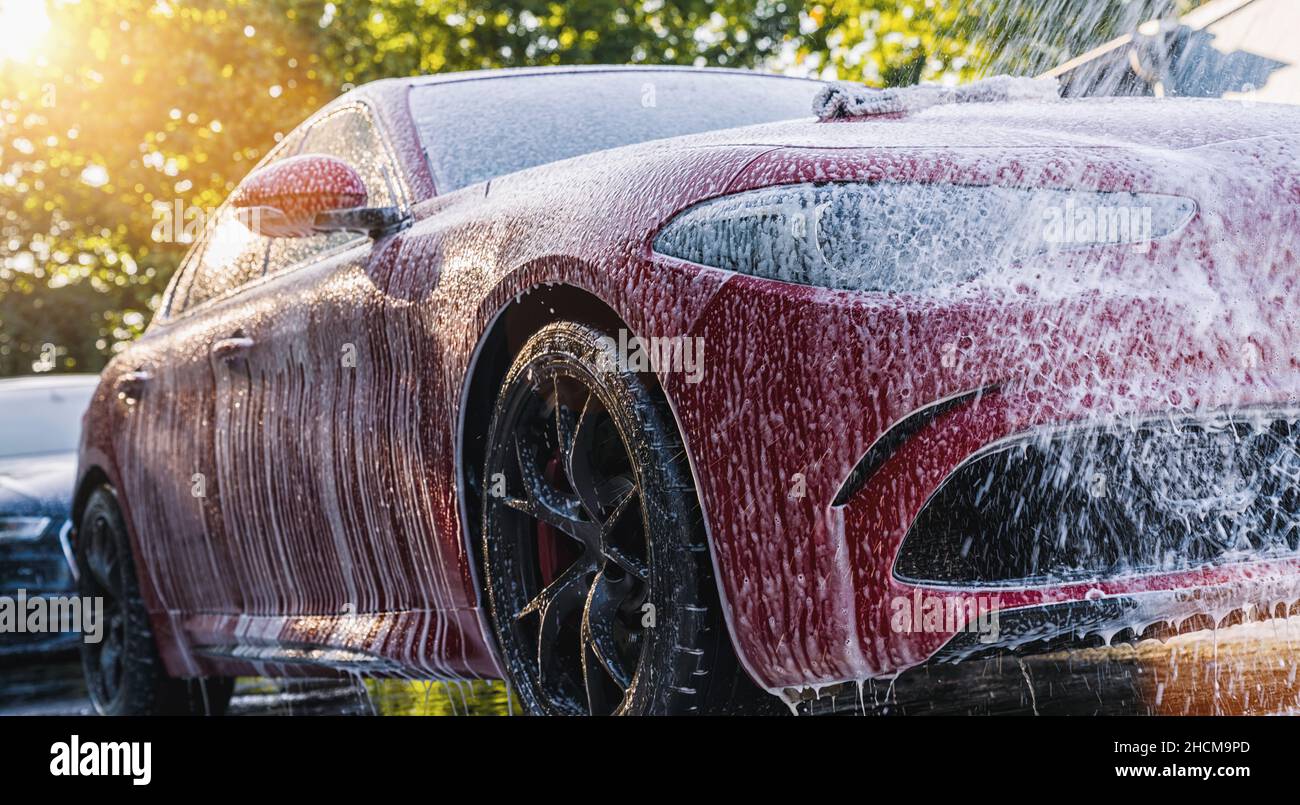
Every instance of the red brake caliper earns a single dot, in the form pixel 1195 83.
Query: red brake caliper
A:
pixel 548 542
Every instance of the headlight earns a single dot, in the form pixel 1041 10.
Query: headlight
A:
pixel 906 237
pixel 22 529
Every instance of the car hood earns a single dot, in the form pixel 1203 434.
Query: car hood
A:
pixel 37 484
pixel 1138 137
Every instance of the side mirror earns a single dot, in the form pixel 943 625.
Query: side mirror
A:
pixel 308 194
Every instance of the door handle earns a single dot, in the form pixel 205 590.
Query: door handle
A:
pixel 130 385
pixel 228 349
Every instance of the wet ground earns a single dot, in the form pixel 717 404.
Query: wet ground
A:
pixel 1244 669
pixel 52 685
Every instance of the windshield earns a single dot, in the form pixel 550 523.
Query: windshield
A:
pixel 42 419
pixel 476 129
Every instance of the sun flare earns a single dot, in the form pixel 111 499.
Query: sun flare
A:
pixel 23 25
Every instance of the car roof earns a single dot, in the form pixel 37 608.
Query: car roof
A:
pixel 1092 122
pixel 512 72
pixel 41 382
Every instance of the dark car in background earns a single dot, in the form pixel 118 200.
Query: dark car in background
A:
pixel 40 420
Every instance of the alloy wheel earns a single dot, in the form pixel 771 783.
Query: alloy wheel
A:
pixel 570 540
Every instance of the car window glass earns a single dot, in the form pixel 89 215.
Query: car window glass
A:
pixel 42 420
pixel 349 135
pixel 234 254
pixel 174 298
pixel 231 252
pixel 480 128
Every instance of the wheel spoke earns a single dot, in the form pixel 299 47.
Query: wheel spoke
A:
pixel 546 514
pixel 519 505
pixel 566 592
pixel 105 661
pixel 598 638
pixel 555 604
pixel 616 514
pixel 567 422
pixel 102 559
pixel 544 502
pixel 575 447
pixel 110 666
pixel 599 700
pixel 612 490
pixel 629 563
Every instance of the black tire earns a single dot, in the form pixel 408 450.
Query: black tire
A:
pixel 124 674
pixel 590 514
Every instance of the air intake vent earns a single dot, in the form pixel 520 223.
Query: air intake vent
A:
pixel 1096 503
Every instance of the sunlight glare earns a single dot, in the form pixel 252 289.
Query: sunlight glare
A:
pixel 23 24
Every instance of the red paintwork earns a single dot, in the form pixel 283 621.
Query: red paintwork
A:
pixel 797 380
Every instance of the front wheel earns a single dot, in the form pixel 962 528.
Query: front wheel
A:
pixel 124 674
pixel 598 574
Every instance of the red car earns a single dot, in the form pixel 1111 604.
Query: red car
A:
pixel 651 392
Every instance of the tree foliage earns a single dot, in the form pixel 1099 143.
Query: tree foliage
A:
pixel 133 107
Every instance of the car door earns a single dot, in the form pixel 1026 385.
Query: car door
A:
pixel 301 416
pixel 166 420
